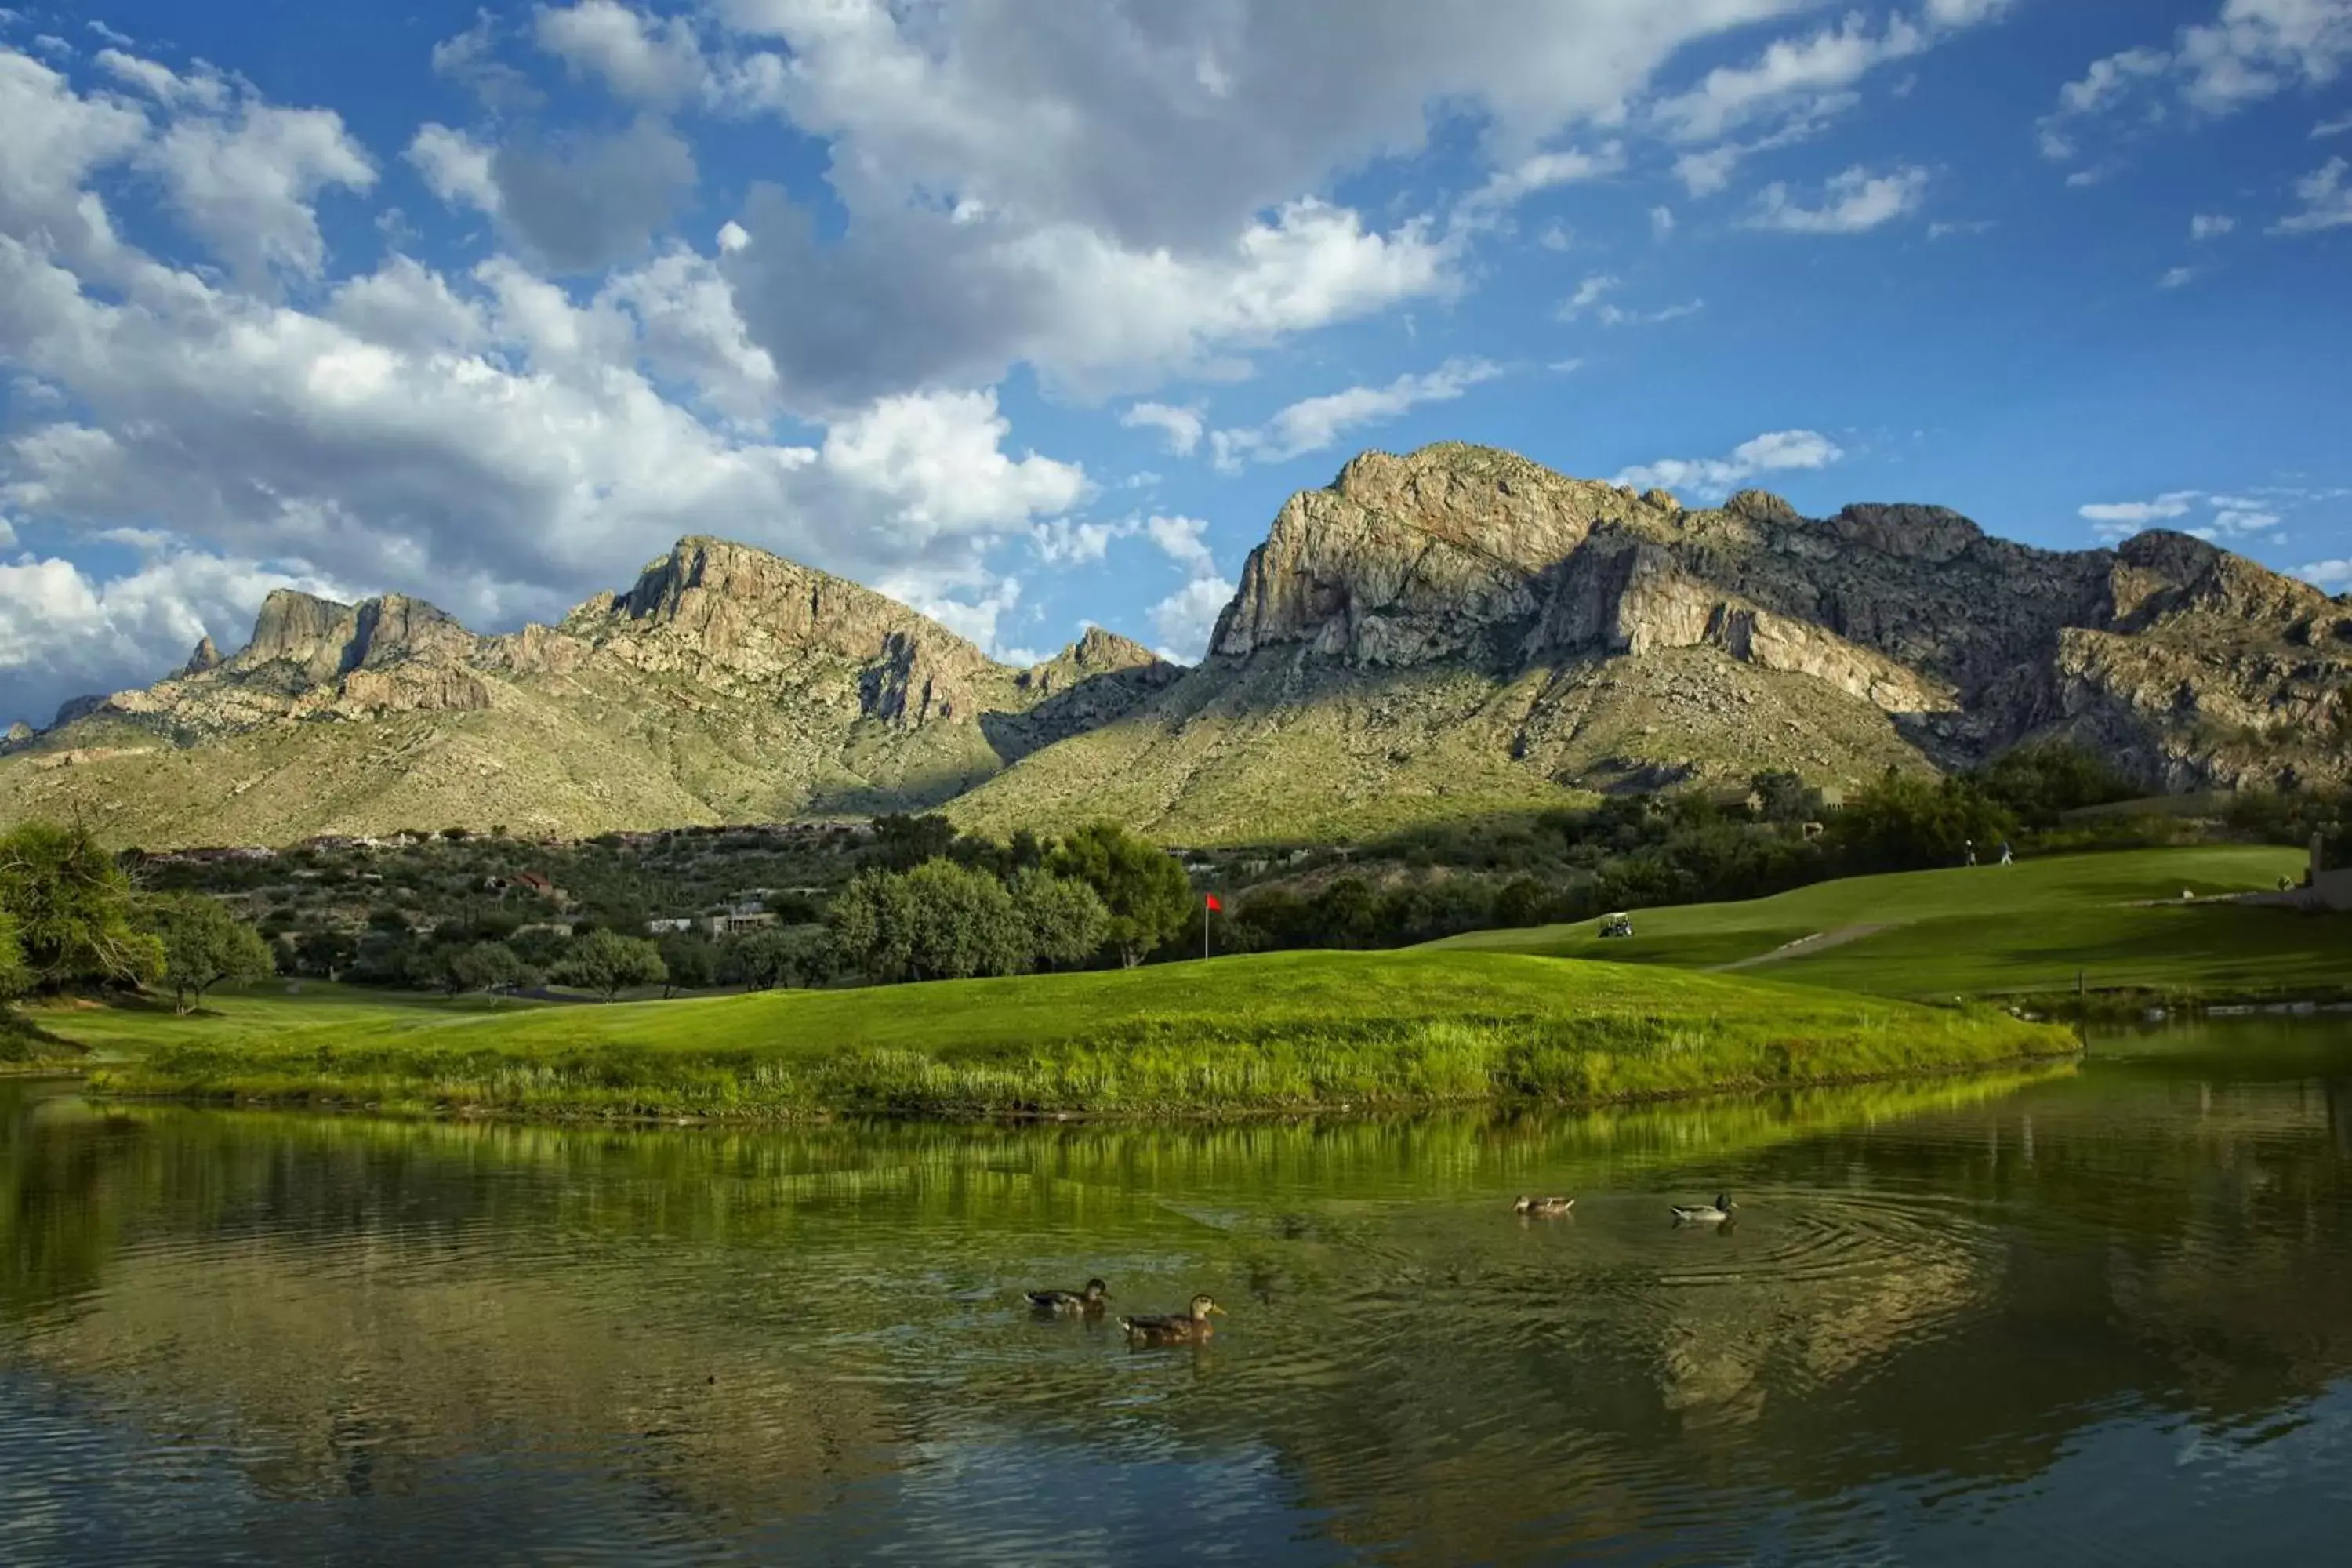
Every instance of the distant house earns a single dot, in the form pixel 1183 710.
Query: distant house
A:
pixel 539 884
pixel 735 921
pixel 675 926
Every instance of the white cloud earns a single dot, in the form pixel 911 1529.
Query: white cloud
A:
pixel 2240 520
pixel 1854 203
pixel 1662 221
pixel 1947 230
pixel 455 167
pixel 2210 226
pixel 2252 50
pixel 1181 428
pixel 1506 188
pixel 2177 277
pixel 244 183
pixel 2140 513
pixel 63 633
pixel 1062 541
pixel 641 59
pixel 1184 539
pixel 1777 451
pixel 2326 128
pixel 976 620
pixel 1315 424
pixel 2332 575
pixel 1185 619
pixel 1588 294
pixel 1591 296
pixel 2326 201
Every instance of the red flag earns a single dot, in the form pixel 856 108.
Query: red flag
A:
pixel 1214 905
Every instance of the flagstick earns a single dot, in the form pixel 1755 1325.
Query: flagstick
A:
pixel 1204 928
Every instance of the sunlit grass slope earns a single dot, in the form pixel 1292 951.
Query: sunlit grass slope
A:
pixel 1288 1031
pixel 1993 929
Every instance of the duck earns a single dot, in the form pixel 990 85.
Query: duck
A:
pixel 1174 1329
pixel 1546 1208
pixel 1088 1300
pixel 1715 1213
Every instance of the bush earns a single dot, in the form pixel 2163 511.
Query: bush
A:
pixel 608 964
pixel 203 945
pixel 71 907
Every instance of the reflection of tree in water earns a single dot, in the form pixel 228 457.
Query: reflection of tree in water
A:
pixel 1916 1289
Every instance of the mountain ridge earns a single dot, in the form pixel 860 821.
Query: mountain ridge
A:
pixel 1456 629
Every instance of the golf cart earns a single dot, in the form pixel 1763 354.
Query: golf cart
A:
pixel 1617 925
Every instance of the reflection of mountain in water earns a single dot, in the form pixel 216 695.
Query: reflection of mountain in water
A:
pixel 715 1334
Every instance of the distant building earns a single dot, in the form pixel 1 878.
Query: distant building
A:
pixel 672 927
pixel 734 922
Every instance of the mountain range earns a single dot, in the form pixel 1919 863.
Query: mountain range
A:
pixel 1454 631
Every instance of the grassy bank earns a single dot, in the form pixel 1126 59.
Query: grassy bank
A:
pixel 1279 1032
pixel 1998 929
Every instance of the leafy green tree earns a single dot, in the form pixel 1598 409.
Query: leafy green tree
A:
pixel 901 842
pixel 763 959
pixel 938 921
pixel 205 945
pixel 324 954
pixel 14 976
pixel 72 906
pixel 2043 780
pixel 484 966
pixel 690 962
pixel 1785 797
pixel 1147 895
pixel 1905 822
pixel 608 964
pixel 1067 921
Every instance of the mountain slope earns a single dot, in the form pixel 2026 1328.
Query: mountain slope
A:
pixel 1461 628
pixel 727 684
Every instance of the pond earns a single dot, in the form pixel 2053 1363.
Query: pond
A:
pixel 2101 1311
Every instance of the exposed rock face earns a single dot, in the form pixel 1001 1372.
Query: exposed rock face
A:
pixel 1608 631
pixel 205 658
pixel 725 683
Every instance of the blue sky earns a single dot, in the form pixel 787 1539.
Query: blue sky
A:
pixel 1032 315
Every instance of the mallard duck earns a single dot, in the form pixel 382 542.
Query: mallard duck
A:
pixel 1546 1208
pixel 1173 1328
pixel 1089 1301
pixel 1715 1213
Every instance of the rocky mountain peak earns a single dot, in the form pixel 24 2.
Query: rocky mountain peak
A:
pixel 206 657
pixel 1931 533
pixel 1763 505
pixel 296 628
pixel 1100 650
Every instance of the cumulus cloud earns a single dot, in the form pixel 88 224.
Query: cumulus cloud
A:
pixel 2207 516
pixel 1315 424
pixel 577 201
pixel 1777 451
pixel 649 61
pixel 1853 203
pixel 1181 428
pixel 64 633
pixel 2326 201
pixel 2177 277
pixel 2252 50
pixel 2210 226
pixel 2333 575
pixel 1185 619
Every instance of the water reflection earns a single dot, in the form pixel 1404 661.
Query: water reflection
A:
pixel 304 1336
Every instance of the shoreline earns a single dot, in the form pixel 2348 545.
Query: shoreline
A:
pixel 971 1115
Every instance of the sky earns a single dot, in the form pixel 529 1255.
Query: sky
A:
pixel 1032 315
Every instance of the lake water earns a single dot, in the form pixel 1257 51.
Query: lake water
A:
pixel 2100 1314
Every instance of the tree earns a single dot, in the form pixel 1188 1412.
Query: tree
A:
pixel 901 843
pixel 324 954
pixel 485 966
pixel 1146 891
pixel 1904 821
pixel 14 976
pixel 690 962
pixel 1067 921
pixel 2042 780
pixel 72 906
pixel 938 921
pixel 1785 797
pixel 763 959
pixel 203 945
pixel 608 964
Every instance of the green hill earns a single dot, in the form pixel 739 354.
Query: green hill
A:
pixel 1993 929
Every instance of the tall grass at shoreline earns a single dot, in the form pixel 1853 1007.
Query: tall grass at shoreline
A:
pixel 1245 1036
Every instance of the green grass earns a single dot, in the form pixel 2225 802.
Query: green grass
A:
pixel 1996 930
pixel 1274 1033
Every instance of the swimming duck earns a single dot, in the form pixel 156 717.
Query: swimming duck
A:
pixel 1546 1208
pixel 1173 1328
pixel 1088 1300
pixel 1715 1213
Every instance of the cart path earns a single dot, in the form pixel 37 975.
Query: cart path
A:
pixel 1804 947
